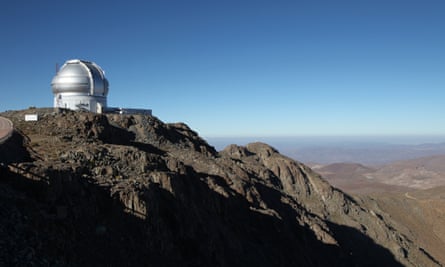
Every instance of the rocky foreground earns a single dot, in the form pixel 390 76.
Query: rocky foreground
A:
pixel 80 189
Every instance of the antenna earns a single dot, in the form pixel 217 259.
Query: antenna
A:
pixel 57 67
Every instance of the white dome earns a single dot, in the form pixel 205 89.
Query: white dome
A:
pixel 79 76
pixel 80 85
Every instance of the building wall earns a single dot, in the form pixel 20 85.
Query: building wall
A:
pixel 79 102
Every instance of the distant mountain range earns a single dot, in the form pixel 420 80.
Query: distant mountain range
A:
pixel 363 150
pixel 371 154
pixel 403 175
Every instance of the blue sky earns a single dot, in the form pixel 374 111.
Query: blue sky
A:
pixel 241 68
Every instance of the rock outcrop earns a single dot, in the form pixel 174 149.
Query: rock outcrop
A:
pixel 130 190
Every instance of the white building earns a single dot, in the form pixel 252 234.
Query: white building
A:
pixel 80 85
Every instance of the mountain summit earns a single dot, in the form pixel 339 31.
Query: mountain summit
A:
pixel 82 189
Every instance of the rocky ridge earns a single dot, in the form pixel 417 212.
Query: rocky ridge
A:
pixel 130 190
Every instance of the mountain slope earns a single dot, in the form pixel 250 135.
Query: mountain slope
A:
pixel 421 173
pixel 420 211
pixel 398 176
pixel 120 190
pixel 356 178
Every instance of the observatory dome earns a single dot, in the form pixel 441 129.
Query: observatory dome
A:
pixel 80 76
pixel 80 84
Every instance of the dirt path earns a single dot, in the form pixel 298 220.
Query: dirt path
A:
pixel 6 129
pixel 407 195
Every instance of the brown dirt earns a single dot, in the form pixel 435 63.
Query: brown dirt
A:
pixel 422 212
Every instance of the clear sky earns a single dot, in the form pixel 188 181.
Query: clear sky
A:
pixel 244 67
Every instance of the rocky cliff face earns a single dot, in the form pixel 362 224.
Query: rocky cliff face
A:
pixel 130 190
